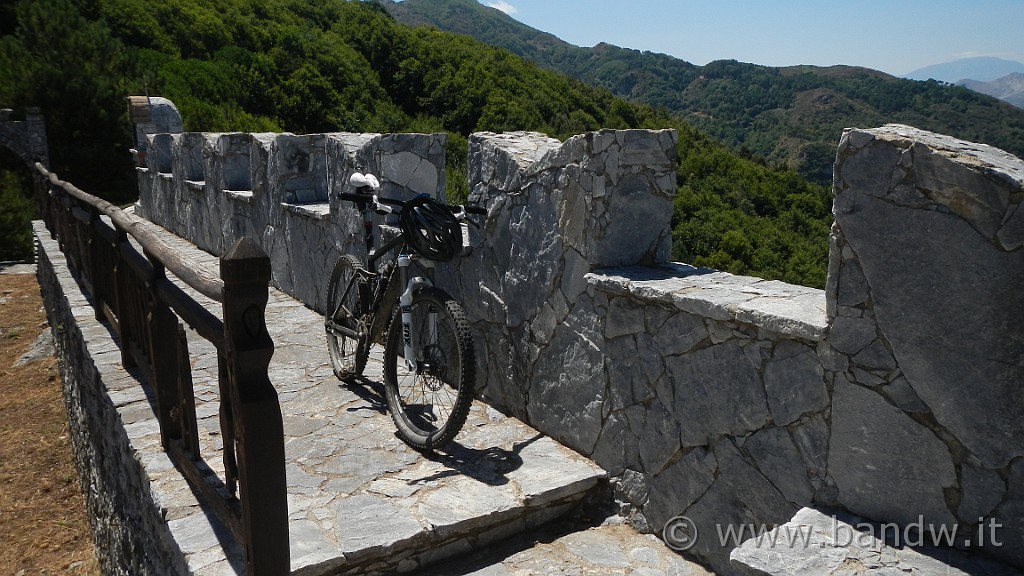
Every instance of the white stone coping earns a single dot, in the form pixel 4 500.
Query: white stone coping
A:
pixel 240 195
pixel 315 210
pixel 971 154
pixel 787 309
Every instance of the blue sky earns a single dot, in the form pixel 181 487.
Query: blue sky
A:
pixel 894 36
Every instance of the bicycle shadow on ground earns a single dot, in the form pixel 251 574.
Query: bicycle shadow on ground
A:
pixel 368 390
pixel 488 465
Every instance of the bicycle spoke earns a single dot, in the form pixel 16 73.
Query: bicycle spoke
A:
pixel 430 402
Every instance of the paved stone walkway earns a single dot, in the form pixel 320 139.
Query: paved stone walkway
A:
pixel 360 501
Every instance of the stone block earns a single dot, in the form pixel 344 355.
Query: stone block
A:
pixel 625 316
pixel 781 463
pixel 718 391
pixel 886 465
pixel 674 489
pixel 830 543
pixel 738 494
pixel 794 382
pixel 568 394
pixel 679 334
pixel 851 335
pixel 963 361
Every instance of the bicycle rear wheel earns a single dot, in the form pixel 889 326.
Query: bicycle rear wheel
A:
pixel 430 399
pixel 346 318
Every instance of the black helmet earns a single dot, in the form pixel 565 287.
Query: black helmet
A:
pixel 431 229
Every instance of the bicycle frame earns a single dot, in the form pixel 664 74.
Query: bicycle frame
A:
pixel 410 283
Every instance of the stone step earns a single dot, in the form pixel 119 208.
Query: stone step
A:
pixel 577 547
pixel 360 501
pixel 826 543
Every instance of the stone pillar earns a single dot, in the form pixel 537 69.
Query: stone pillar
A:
pixel 151 115
pixel 926 296
pixel 557 211
pixel 35 126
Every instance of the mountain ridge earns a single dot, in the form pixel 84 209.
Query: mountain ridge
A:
pixel 791 116
pixel 1009 88
pixel 978 69
pixel 312 66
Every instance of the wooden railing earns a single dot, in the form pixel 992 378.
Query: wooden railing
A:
pixel 132 293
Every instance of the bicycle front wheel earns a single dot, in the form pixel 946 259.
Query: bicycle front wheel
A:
pixel 429 396
pixel 346 319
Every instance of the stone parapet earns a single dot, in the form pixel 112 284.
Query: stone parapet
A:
pixel 359 500
pixel 695 389
pixel 281 191
pixel 893 393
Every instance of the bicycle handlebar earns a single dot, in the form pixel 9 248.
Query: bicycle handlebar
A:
pixel 357 198
pixel 369 181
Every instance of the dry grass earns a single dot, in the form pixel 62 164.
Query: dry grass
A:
pixel 43 526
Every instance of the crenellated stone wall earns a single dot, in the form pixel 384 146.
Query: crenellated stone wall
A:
pixel 556 211
pixel 280 190
pixel 896 393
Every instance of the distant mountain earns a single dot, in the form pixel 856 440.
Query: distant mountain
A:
pixel 981 69
pixel 787 116
pixel 1009 88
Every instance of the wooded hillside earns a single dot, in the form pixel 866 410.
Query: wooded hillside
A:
pixel 308 66
pixel 788 116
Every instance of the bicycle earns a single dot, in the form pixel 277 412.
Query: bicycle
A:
pixel 429 359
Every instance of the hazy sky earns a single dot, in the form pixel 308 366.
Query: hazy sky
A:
pixel 895 36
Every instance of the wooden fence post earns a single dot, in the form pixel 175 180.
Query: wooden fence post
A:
pixel 255 410
pixel 164 357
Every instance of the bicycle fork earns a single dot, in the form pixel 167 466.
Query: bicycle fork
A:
pixel 405 303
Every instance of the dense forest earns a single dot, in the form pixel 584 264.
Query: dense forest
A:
pixel 334 65
pixel 788 116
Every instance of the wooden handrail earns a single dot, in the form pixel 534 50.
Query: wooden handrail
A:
pixel 145 309
pixel 210 287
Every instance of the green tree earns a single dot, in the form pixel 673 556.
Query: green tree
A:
pixel 75 71
pixel 16 212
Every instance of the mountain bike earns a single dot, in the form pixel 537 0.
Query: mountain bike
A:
pixel 429 360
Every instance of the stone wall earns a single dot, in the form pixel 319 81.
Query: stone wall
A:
pixel 733 400
pixel 26 138
pixel 104 404
pixel 895 393
pixel 702 393
pixel 280 190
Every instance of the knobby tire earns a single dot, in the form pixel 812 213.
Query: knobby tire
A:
pixel 430 405
pixel 348 303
